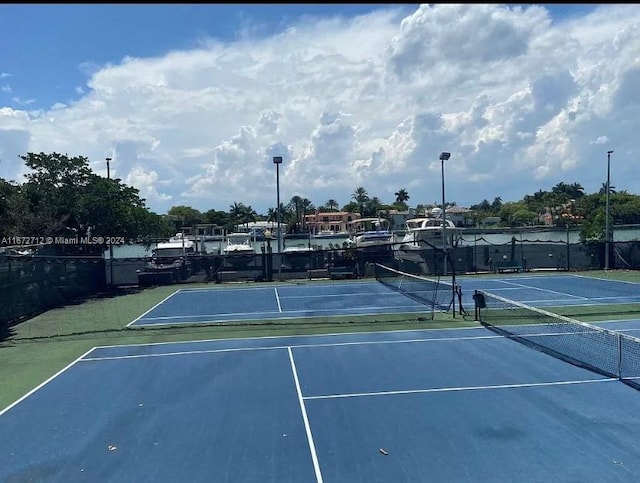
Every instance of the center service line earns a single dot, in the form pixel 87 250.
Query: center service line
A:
pixel 312 446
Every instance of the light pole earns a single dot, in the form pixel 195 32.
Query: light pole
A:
pixel 277 160
pixel 444 157
pixel 606 223
pixel 110 221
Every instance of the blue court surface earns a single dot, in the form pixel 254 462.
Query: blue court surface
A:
pixel 554 290
pixel 284 301
pixel 321 299
pixel 457 405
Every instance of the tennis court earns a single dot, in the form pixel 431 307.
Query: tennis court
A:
pixel 429 405
pixel 306 300
pixel 462 404
pixel 555 290
pixel 280 301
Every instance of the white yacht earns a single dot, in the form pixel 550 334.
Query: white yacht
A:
pixel 170 262
pixel 331 234
pixel 371 234
pixel 423 244
pixel 239 251
pixel 427 232
pixel 239 244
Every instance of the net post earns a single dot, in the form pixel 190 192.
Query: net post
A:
pixel 619 348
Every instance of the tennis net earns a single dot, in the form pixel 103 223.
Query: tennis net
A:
pixel 603 351
pixel 435 294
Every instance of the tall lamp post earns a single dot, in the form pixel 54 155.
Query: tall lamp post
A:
pixel 607 236
pixel 444 157
pixel 277 160
pixel 110 234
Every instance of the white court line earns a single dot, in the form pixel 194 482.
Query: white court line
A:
pixel 312 446
pixel 156 305
pixel 393 295
pixel 300 346
pixel 587 303
pixel 609 321
pixel 45 382
pixel 547 290
pixel 546 301
pixel 629 298
pixel 455 389
pixel 278 299
pixel 268 286
pixel 603 279
pixel 349 311
pixel 304 336
pixel 180 353
pixel 294 314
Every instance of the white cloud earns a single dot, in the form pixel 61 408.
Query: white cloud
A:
pixel 146 182
pixel 520 100
pixel 22 102
pixel 600 140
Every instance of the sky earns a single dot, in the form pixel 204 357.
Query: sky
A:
pixel 192 102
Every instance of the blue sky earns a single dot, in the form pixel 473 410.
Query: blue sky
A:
pixel 192 101
pixel 50 49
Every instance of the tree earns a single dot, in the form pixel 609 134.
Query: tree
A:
pixel 332 205
pixel 523 217
pixel 122 214
pixel 360 196
pixel 51 193
pixel 373 206
pixel 8 195
pixel 401 196
pixel 184 216
pixel 300 206
pixel 62 197
pixel 603 189
pixel 215 217
pixel 351 207
pixel 307 207
pixel 248 215
pixel 295 205
pixel 272 214
pixel 241 214
pixel 575 191
pixel 484 207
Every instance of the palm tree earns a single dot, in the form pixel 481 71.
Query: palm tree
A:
pixel 603 190
pixel 272 215
pixel 401 196
pixel 294 205
pixel 248 215
pixel 301 206
pixel 360 196
pixel 497 204
pixel 560 189
pixel 539 195
pixel 242 214
pixel 332 205
pixel 306 206
pixel 236 211
pixel 576 190
pixel 374 205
